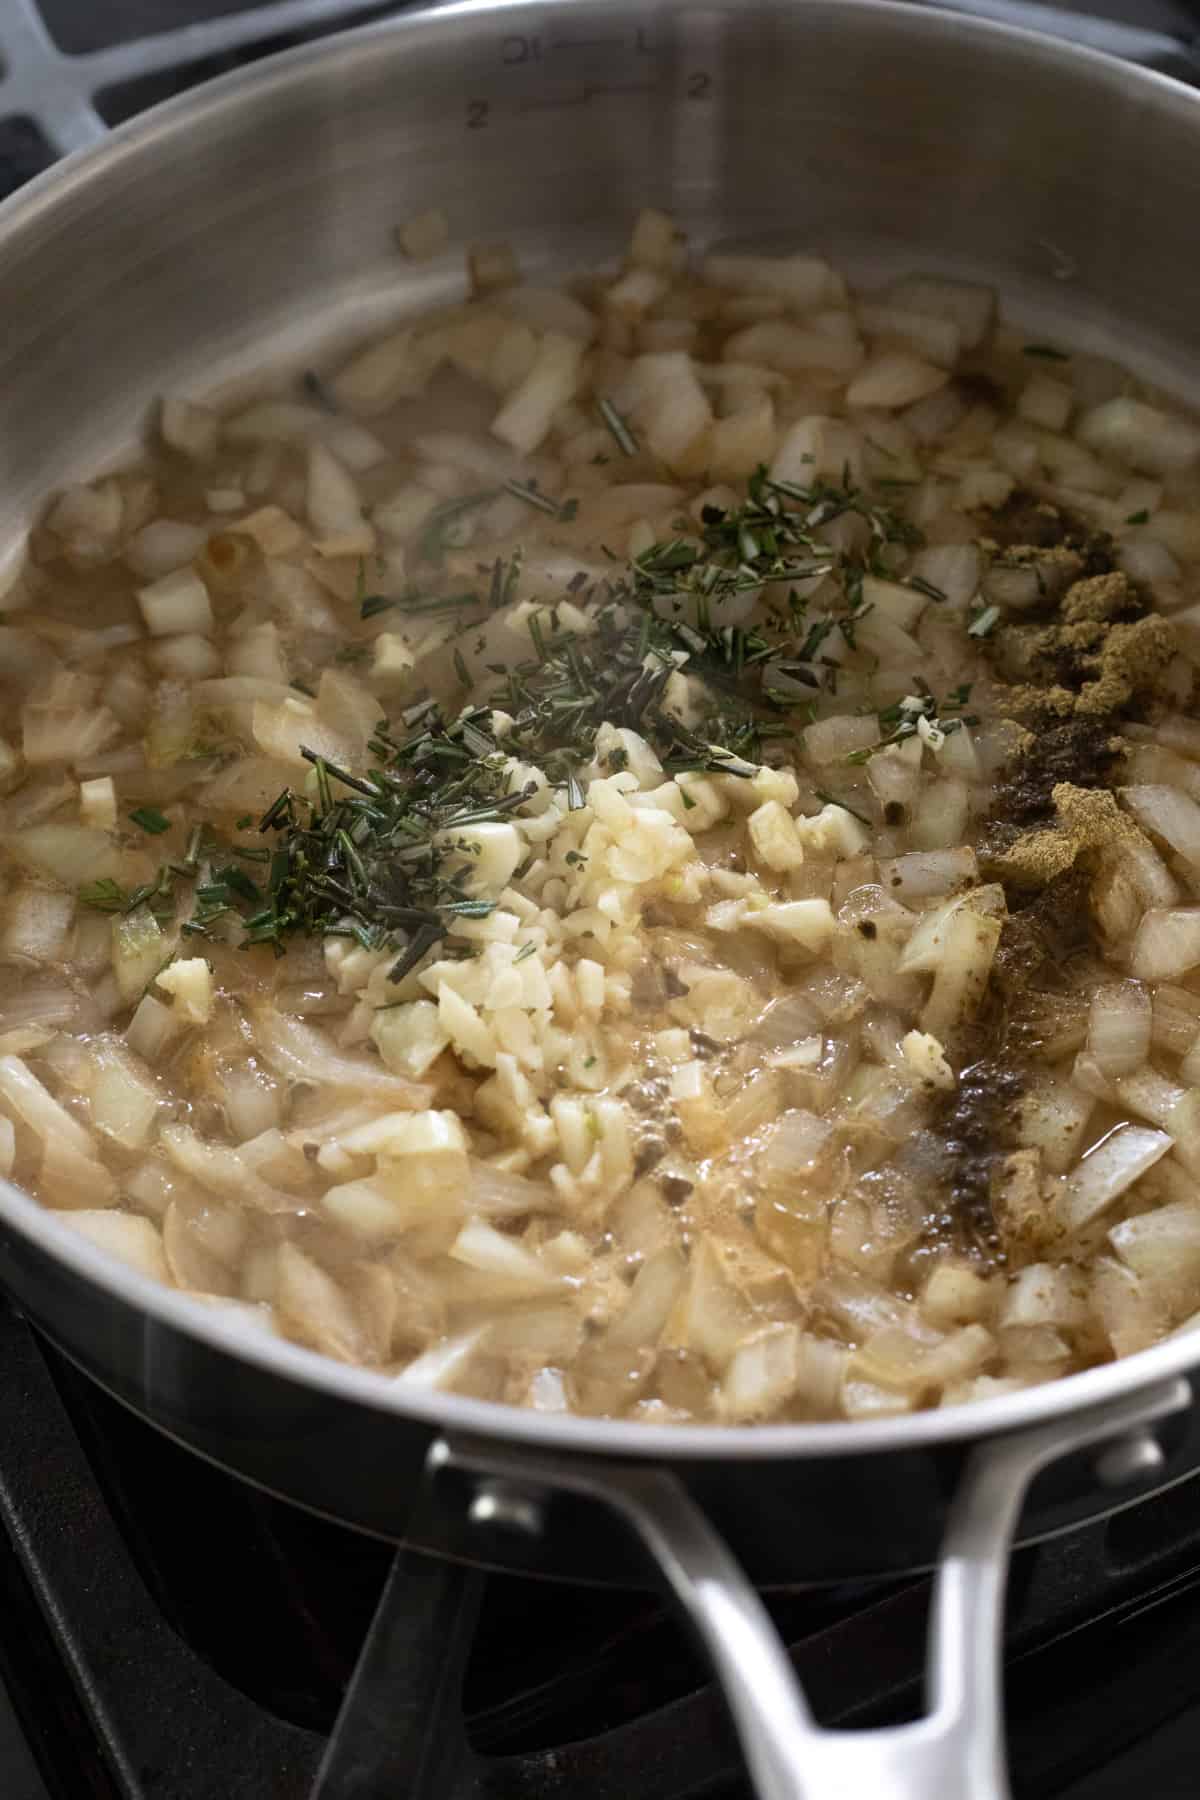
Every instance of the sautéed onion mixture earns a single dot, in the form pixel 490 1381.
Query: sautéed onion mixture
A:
pixel 632 850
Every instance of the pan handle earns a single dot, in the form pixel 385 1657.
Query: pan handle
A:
pixel 958 1746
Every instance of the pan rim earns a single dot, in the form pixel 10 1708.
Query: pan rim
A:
pixel 614 1439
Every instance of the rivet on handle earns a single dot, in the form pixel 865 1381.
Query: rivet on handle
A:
pixel 499 1503
pixel 1130 1458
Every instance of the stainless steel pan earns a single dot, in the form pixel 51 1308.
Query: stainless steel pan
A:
pixel 254 217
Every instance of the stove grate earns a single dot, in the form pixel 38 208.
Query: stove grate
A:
pixel 564 1688
pixel 61 93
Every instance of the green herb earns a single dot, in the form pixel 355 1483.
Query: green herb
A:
pixel 149 819
pixel 1138 518
pixel 928 588
pixel 622 436
pixel 538 636
pixel 325 769
pixel 503 586
pixel 302 687
pixel 104 895
pixel 1045 351
pixel 523 952
pixel 372 605
pixel 240 883
pixel 904 718
pixel 533 496
pixel 384 855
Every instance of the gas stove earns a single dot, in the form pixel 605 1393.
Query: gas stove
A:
pixel 169 1633
pixel 166 1631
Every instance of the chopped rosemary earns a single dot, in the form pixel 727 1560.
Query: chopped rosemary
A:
pixel 919 713
pixel 533 496
pixel 1047 351
pixel 105 895
pixel 624 439
pixel 1138 518
pixel 928 588
pixel 149 819
pixel 382 855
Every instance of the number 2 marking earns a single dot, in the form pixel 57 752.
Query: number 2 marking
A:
pixel 698 85
pixel 477 114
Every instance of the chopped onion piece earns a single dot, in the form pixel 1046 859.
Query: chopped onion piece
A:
pixel 921 874
pixel 303 1053
pixel 175 603
pixel 548 310
pixel 893 379
pixel 804 282
pixel 1167 944
pixel 1170 814
pixel 763 1373
pixel 189 428
pixel 1163 1248
pixel 1105 1172
pixel 1140 435
pixel 480 1246
pixel 315 1310
pixel 525 417
pixel 24 1094
pixel 130 1239
pixel 1119 1027
pixel 445 1364
pixel 163 545
pixel 334 506
pixel 970 307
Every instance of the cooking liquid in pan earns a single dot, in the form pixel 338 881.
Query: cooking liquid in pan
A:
pixel 629 850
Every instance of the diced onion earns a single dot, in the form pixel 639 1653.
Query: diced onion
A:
pixel 1106 1172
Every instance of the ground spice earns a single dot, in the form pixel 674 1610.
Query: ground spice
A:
pixel 1075 663
pixel 1025 527
pixel 1087 819
pixel 1079 752
pixel 1102 651
pixel 976 1128
pixel 1043 932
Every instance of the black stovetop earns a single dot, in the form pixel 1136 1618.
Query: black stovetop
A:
pixel 167 1633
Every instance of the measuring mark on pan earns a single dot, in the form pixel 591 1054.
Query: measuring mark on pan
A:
pixel 531 52
pixel 611 43
pixel 521 47
pixel 594 91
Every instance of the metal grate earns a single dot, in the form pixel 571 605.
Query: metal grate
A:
pixel 57 94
